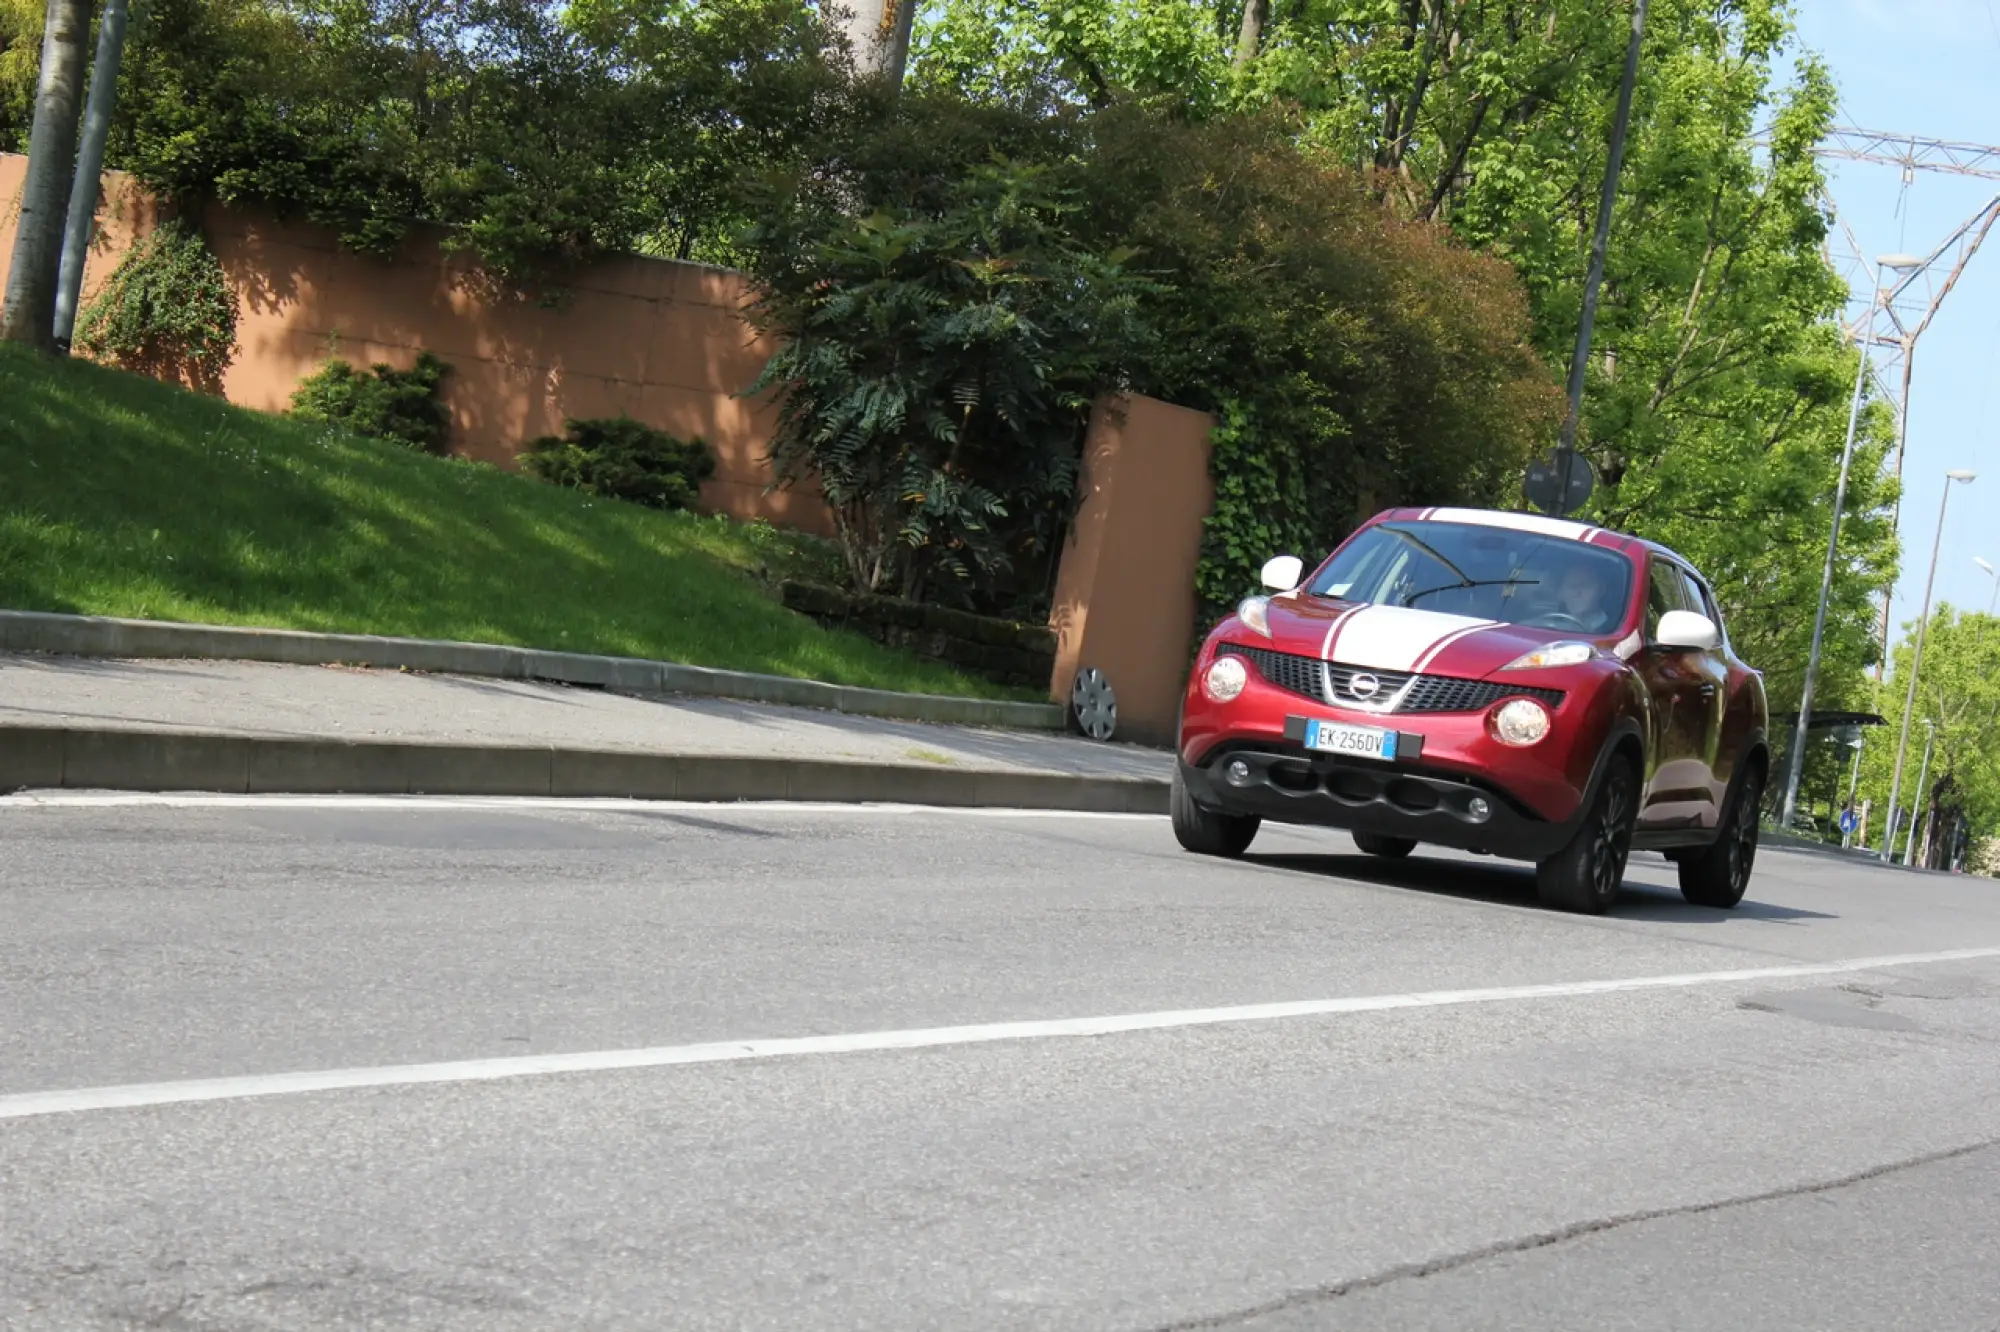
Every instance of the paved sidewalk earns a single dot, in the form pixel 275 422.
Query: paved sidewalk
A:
pixel 355 704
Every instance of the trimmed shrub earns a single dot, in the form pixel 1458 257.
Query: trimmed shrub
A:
pixel 620 458
pixel 383 402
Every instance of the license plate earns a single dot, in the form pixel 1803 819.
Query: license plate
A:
pixel 1355 741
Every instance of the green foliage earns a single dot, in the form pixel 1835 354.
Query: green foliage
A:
pixel 939 359
pixel 167 310
pixel 540 135
pixel 1959 692
pixel 1714 410
pixel 380 403
pixel 20 57
pixel 1353 357
pixel 1355 360
pixel 620 458
pixel 121 496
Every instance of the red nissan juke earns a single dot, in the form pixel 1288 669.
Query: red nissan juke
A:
pixel 1501 682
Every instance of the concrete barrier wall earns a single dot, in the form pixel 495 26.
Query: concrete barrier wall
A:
pixel 663 342
pixel 1124 600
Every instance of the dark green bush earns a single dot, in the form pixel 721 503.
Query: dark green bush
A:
pixel 620 458
pixel 382 402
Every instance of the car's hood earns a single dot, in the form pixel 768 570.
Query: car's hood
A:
pixel 1401 638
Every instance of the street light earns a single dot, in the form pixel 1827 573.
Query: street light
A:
pixel 1900 263
pixel 1917 803
pixel 1917 662
pixel 1993 602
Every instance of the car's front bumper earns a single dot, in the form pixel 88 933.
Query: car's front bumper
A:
pixel 1285 782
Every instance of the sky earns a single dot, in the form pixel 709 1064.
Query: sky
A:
pixel 1929 68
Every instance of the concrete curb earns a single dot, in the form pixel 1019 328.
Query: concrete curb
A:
pixel 95 636
pixel 107 759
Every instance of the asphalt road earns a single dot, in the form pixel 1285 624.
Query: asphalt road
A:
pixel 1701 1119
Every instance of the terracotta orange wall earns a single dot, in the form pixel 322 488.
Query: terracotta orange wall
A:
pixel 663 342
pixel 1124 598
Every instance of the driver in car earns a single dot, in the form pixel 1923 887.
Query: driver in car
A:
pixel 1581 597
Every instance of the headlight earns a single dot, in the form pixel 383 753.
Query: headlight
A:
pixel 1225 679
pixel 1519 722
pixel 1555 654
pixel 1255 614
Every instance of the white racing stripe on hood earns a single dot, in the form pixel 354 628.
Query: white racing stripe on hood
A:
pixel 1394 638
pixel 1437 648
pixel 1326 644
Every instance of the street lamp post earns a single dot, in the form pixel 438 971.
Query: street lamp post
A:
pixel 1854 782
pixel 1916 665
pixel 1900 263
pixel 1992 602
pixel 1917 800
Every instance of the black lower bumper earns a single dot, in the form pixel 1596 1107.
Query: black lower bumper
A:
pixel 1294 786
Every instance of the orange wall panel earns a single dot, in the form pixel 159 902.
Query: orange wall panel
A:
pixel 664 342
pixel 1124 600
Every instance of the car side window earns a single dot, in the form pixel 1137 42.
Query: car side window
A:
pixel 1699 600
pixel 1665 592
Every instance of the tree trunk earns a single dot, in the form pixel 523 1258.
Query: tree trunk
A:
pixel 1250 37
pixel 30 310
pixel 878 31
pixel 83 192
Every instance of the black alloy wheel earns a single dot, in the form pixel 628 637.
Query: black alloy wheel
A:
pixel 1719 874
pixel 1584 876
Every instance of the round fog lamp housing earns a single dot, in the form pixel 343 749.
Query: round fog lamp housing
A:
pixel 1237 773
pixel 1519 722
pixel 1478 809
pixel 1225 679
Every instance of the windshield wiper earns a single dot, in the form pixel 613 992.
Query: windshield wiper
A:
pixel 1428 550
pixel 1472 582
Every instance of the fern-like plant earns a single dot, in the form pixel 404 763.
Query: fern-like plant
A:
pixel 935 371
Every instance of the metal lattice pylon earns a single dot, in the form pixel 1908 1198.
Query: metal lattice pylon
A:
pixel 1907 306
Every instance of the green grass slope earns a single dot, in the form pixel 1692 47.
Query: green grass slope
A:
pixel 121 496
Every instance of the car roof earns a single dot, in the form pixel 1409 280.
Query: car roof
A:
pixel 1533 522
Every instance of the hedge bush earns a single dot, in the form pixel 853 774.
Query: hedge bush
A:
pixel 620 458
pixel 382 402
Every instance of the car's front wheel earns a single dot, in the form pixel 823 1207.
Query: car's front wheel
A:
pixel 1208 832
pixel 1584 876
pixel 1389 848
pixel 1719 874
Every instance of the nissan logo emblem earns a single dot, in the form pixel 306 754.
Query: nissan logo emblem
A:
pixel 1363 685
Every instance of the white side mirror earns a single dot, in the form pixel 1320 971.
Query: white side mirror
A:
pixel 1282 573
pixel 1685 629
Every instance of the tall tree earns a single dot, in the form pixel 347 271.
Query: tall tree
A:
pixel 1959 693
pixel 1713 398
pixel 29 313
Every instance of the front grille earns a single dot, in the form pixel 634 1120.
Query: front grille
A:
pixel 1388 684
pixel 1308 677
pixel 1301 675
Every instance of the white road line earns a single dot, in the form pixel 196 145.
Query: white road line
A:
pixel 195 800
pixel 25 1105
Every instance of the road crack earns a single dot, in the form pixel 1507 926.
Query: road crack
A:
pixel 1430 1267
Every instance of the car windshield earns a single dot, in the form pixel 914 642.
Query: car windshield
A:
pixel 1491 573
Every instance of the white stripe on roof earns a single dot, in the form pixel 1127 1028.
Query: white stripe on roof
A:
pixel 1520 522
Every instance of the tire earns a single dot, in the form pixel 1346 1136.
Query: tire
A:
pixel 1389 848
pixel 1208 832
pixel 1718 874
pixel 1584 876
